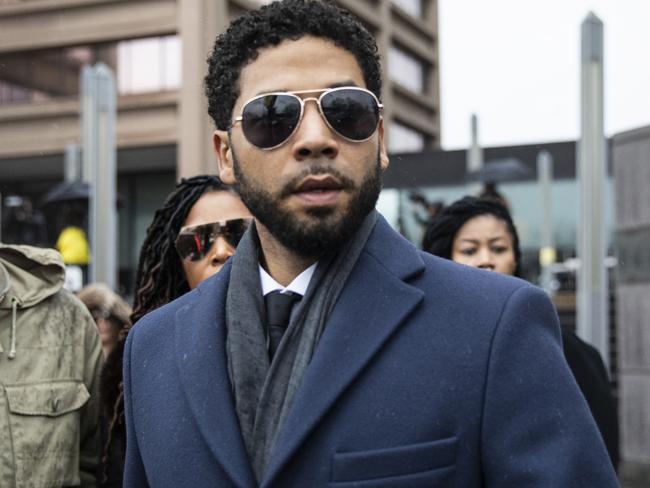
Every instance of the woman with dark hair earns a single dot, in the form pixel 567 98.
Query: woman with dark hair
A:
pixel 194 207
pixel 189 239
pixel 480 233
pixel 456 233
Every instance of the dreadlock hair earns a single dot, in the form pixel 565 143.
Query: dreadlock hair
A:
pixel 159 277
pixel 440 233
pixel 159 280
pixel 269 26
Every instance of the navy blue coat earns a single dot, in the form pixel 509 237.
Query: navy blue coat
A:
pixel 428 373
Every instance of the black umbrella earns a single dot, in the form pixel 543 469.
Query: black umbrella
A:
pixel 68 191
pixel 71 192
pixel 500 171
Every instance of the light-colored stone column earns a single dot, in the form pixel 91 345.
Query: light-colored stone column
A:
pixel 384 42
pixel 631 159
pixel 199 23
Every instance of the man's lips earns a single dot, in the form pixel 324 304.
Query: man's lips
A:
pixel 319 190
pixel 319 183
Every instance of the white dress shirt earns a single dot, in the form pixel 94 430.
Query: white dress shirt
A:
pixel 298 285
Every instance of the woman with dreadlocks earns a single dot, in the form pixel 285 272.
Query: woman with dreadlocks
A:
pixel 189 240
pixel 191 236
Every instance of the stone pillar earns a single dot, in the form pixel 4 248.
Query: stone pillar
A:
pixel 383 38
pixel 199 23
pixel 631 160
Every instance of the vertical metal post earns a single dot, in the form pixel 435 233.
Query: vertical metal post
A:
pixel 71 164
pixel 547 254
pixel 88 118
pixel 99 151
pixel 474 155
pixel 592 310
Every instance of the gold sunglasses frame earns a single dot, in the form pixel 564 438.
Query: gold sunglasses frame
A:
pixel 303 101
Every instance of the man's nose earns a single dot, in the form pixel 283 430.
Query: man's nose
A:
pixel 220 252
pixel 314 138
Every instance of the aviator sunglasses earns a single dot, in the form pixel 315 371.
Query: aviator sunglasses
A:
pixel 194 243
pixel 269 120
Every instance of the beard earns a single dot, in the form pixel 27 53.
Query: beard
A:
pixel 324 230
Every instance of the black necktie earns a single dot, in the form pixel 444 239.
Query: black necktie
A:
pixel 278 312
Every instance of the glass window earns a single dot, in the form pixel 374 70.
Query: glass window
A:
pixel 403 139
pixel 146 65
pixel 405 69
pixel 45 74
pixel 388 205
pixel 10 93
pixel 141 65
pixel 412 7
pixel 523 198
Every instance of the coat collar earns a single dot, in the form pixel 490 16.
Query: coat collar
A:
pixel 200 334
pixel 375 301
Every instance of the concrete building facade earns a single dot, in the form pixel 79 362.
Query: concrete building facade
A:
pixel 158 50
pixel 631 158
pixel 43 43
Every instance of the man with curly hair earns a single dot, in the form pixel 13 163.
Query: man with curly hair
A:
pixel 329 351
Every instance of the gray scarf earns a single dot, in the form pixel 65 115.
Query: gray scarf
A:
pixel 264 392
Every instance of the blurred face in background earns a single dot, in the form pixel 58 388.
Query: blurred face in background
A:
pixel 485 242
pixel 108 329
pixel 216 206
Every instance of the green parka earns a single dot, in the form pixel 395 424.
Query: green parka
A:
pixel 50 357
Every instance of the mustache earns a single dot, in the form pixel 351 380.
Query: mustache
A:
pixel 315 170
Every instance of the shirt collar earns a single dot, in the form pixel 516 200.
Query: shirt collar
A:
pixel 298 285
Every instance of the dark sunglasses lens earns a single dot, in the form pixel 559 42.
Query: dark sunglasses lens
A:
pixel 352 113
pixel 193 247
pixel 269 120
pixel 234 230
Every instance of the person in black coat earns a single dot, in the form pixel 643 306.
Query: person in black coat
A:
pixel 591 375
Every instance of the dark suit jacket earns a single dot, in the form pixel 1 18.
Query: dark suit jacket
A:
pixel 428 373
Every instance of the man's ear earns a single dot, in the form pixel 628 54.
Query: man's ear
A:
pixel 223 152
pixel 383 154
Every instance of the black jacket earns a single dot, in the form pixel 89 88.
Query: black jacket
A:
pixel 592 378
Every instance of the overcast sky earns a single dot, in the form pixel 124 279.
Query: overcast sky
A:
pixel 516 64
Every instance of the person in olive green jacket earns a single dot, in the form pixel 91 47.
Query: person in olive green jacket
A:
pixel 50 357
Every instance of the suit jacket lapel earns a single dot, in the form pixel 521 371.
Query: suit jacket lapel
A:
pixel 374 303
pixel 202 363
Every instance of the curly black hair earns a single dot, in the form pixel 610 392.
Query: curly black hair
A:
pixel 159 277
pixel 442 229
pixel 269 26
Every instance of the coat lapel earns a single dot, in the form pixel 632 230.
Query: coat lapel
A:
pixel 373 304
pixel 202 362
